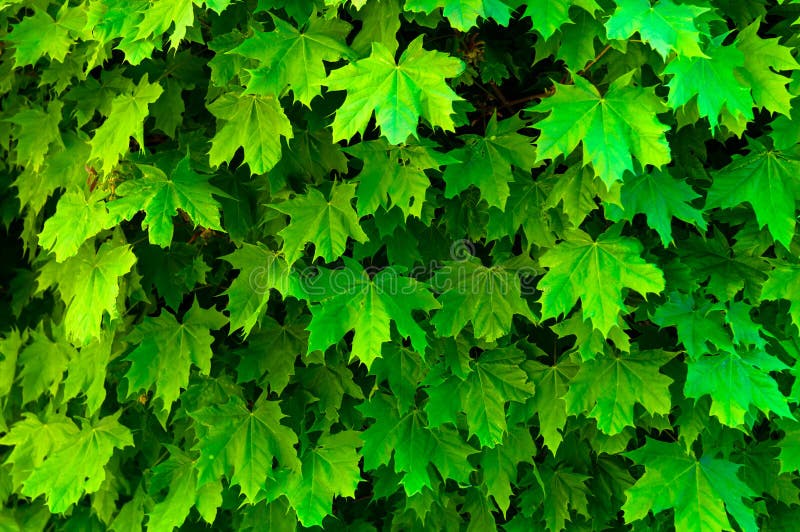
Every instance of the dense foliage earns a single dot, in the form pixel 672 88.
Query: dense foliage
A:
pixel 399 265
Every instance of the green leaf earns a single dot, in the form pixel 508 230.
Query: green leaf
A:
pixel 325 223
pixel 330 469
pixel 761 56
pixel 487 161
pixel 660 197
pixel 241 444
pixel 86 374
pixel 76 463
pixel 712 80
pixel 495 380
pixel 551 385
pixel 77 218
pixel 499 464
pixel 356 301
pixel 736 382
pixel 165 13
pixel 666 26
pixel 549 16
pixel 125 120
pixel 253 123
pixel 273 350
pixel 162 197
pixel 96 294
pixel 413 446
pixel 36 133
pixel 398 92
pixel 696 325
pixel 699 491
pixel 166 350
pixel 597 272
pixel 395 175
pixel 767 180
pixel 784 283
pixel 260 270
pixel 563 489
pixel 613 128
pixel 294 58
pixel 178 473
pixel 790 446
pixel 38 35
pixel 464 14
pixel 486 297
pixel 608 387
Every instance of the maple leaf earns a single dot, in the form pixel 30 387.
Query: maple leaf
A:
pixel 96 293
pixel 76 463
pixel 486 297
pixel 43 362
pixel 37 132
pixel 697 325
pixel 499 464
pixel 86 373
pixel 380 22
pixel 414 446
pixel 711 79
pixel 660 197
pixel 767 180
pixel 38 35
pixel 34 438
pixel 699 491
pixel 790 446
pixel 367 305
pixel 495 379
pixel 551 385
pixel 549 16
pixel 487 161
pixel 563 489
pixel 596 272
pixel 273 351
pixel 399 92
pixel 737 381
pixel 404 370
pixel 613 128
pixel 163 14
pixel 784 283
pixel 253 123
pixel 326 224
pixel 330 469
pixel 161 197
pixel 125 120
pixel 464 14
pixel 528 207
pixel 608 387
pixel 179 475
pixel 260 270
pixel 395 175
pixel 166 350
pixel 666 26
pixel 77 218
pixel 760 57
pixel 294 58
pixel 241 444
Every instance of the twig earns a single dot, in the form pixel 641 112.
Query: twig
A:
pixel 595 60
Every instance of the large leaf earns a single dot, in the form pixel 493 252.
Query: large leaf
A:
pixel 253 123
pixel 699 491
pixel 597 272
pixel 398 92
pixel 294 58
pixel 613 128
pixel 325 223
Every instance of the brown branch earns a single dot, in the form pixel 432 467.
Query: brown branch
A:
pixel 595 60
